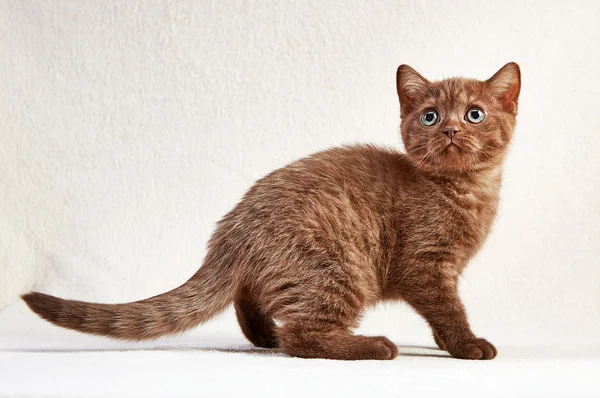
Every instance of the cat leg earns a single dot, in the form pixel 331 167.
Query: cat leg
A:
pixel 438 341
pixel 437 300
pixel 309 338
pixel 257 326
pixel 318 317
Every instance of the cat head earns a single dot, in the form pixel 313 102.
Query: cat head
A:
pixel 458 125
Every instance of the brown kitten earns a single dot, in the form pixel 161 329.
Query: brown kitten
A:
pixel 316 242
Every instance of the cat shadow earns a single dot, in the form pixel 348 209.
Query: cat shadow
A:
pixel 404 350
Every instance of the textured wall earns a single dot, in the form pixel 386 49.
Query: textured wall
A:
pixel 127 128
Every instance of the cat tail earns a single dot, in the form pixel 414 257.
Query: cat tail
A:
pixel 203 296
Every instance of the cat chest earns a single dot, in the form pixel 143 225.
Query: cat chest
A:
pixel 452 230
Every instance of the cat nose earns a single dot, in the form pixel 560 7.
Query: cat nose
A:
pixel 450 131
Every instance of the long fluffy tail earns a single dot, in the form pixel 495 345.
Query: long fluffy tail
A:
pixel 204 295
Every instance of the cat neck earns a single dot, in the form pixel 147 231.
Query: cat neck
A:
pixel 486 180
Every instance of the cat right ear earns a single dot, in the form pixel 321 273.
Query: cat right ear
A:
pixel 506 85
pixel 411 86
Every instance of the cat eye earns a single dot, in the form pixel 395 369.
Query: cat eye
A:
pixel 429 117
pixel 475 115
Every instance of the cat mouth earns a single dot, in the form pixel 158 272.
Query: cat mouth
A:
pixel 452 148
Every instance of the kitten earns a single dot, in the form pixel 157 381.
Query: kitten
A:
pixel 316 242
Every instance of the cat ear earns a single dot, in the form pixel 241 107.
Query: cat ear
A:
pixel 506 85
pixel 411 88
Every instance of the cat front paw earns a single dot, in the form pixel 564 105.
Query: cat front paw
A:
pixel 474 349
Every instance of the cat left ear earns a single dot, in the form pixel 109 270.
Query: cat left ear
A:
pixel 411 87
pixel 506 85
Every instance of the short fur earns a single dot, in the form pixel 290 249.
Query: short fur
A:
pixel 314 243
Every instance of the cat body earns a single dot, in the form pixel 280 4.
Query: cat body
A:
pixel 315 243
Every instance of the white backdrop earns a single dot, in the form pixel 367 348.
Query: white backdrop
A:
pixel 127 129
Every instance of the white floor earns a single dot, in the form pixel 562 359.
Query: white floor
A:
pixel 43 361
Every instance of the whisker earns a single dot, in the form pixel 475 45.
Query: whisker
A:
pixel 417 149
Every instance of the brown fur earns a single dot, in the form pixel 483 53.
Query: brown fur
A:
pixel 314 243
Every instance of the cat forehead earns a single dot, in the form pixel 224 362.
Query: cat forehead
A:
pixel 455 90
